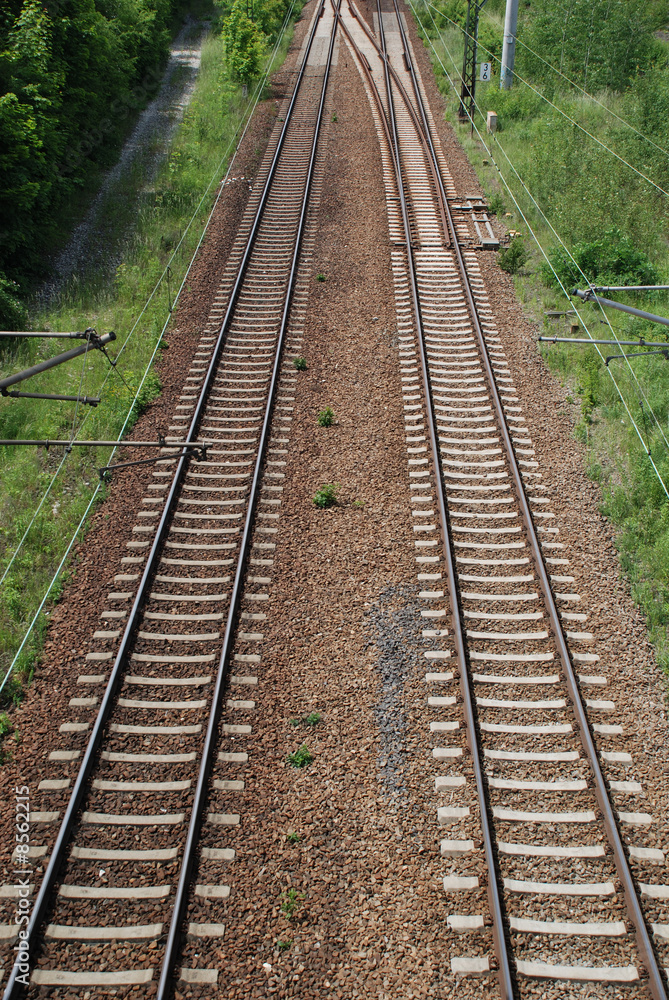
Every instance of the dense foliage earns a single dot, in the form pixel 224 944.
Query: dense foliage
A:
pixel 611 259
pixel 248 28
pixel 72 72
pixel 598 43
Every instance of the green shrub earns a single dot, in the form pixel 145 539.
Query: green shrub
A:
pixel 244 44
pixel 496 204
pixel 513 257
pixel 12 312
pixel 611 259
pixel 300 758
pixel 326 417
pixel 291 901
pixel 326 496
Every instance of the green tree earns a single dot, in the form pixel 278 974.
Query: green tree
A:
pixel 597 43
pixel 244 43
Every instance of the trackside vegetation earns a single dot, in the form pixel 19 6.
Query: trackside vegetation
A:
pixel 45 494
pixel 581 159
pixel 72 75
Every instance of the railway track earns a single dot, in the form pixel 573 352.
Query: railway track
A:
pixel 548 876
pixel 144 849
pixel 532 822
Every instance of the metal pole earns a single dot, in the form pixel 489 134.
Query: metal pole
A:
pixel 59 359
pixel 48 443
pixel 44 334
pixel 630 288
pixel 589 296
pixel 15 394
pixel 608 343
pixel 509 48
pixel 465 90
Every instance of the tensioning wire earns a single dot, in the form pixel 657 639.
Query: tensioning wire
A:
pixel 549 102
pixel 591 97
pixel 537 241
pixel 555 233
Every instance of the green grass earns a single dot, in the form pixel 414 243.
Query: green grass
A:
pixel 307 720
pixel 588 195
pixel 291 901
pixel 160 220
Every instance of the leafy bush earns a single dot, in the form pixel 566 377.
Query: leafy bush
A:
pixel 595 42
pixel 513 257
pixel 300 758
pixel 12 313
pixel 610 260
pixel 244 44
pixel 291 901
pixel 326 417
pixel 496 204
pixel 326 496
pixel 73 73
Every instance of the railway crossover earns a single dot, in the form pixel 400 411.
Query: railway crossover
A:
pixel 547 874
pixel 536 811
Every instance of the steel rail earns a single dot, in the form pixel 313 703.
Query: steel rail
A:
pixel 505 973
pixel 432 166
pixel 643 938
pixel 199 799
pixel 46 890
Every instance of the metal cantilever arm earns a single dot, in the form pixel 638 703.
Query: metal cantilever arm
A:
pixel 588 295
pixel 93 342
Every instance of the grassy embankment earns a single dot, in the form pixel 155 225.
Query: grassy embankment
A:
pixel 616 225
pixel 162 215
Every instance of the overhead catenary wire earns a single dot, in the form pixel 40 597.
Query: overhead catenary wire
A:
pixel 248 114
pixel 253 102
pixel 585 93
pixel 606 319
pixel 539 245
pixel 543 97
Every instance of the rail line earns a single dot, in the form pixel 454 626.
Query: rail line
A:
pixel 466 429
pixel 206 530
pixel 524 754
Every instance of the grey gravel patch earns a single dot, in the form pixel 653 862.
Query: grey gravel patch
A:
pixel 395 622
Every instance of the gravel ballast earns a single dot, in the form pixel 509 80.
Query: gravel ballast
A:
pixel 336 888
